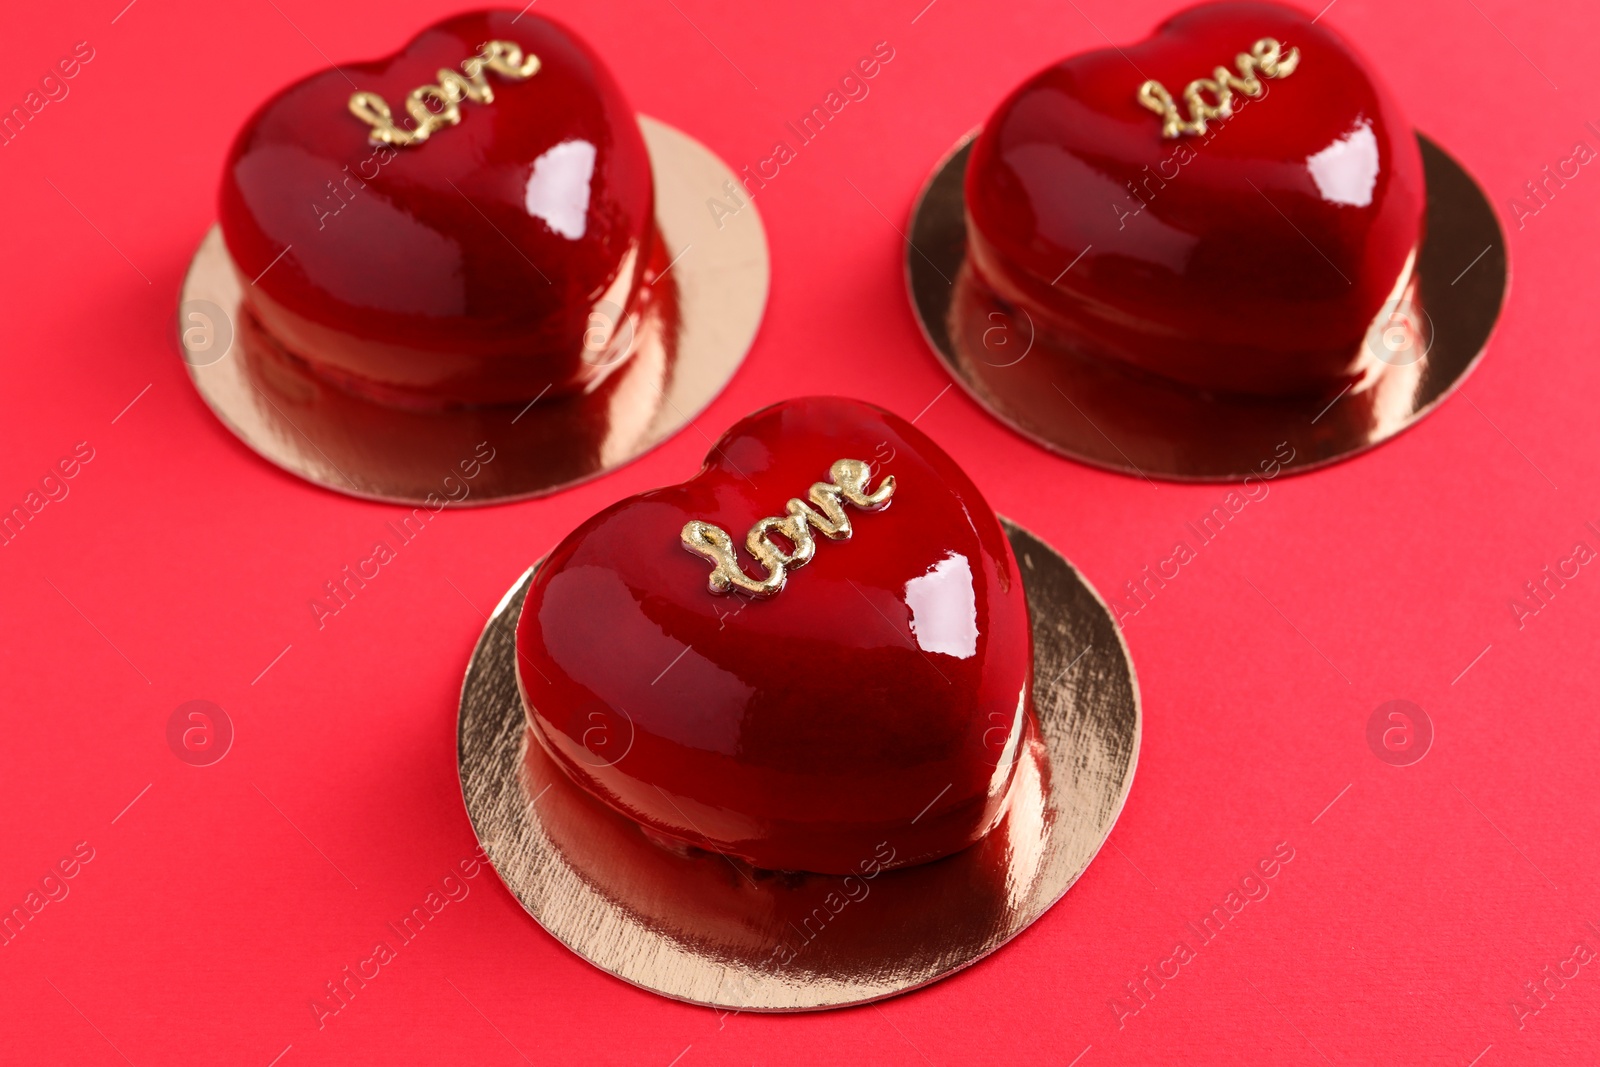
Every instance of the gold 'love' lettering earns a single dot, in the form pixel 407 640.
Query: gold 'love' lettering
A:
pixel 1266 59
pixel 432 107
pixel 847 483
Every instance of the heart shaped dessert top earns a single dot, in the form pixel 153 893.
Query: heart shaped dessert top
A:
pixel 1237 226
pixel 868 681
pixel 466 222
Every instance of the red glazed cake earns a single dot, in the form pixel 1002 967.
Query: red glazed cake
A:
pixel 815 655
pixel 1230 204
pixel 466 222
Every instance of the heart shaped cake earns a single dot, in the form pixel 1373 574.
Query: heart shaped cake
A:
pixel 1230 204
pixel 469 221
pixel 815 655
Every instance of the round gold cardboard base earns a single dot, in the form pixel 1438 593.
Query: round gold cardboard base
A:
pixel 1093 411
pixel 704 929
pixel 684 351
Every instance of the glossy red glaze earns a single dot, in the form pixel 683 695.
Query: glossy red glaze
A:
pixel 874 707
pixel 480 266
pixel 1252 258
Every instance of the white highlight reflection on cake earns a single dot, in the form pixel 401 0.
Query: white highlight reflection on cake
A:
pixel 558 188
pixel 944 608
pixel 1346 171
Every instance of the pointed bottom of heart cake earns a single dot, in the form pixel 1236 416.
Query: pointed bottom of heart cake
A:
pixel 700 927
pixel 1104 414
pixel 686 346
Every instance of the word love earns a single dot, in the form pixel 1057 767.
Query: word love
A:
pixel 433 107
pixel 1265 58
pixel 847 483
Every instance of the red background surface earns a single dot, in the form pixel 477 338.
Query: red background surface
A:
pixel 180 566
